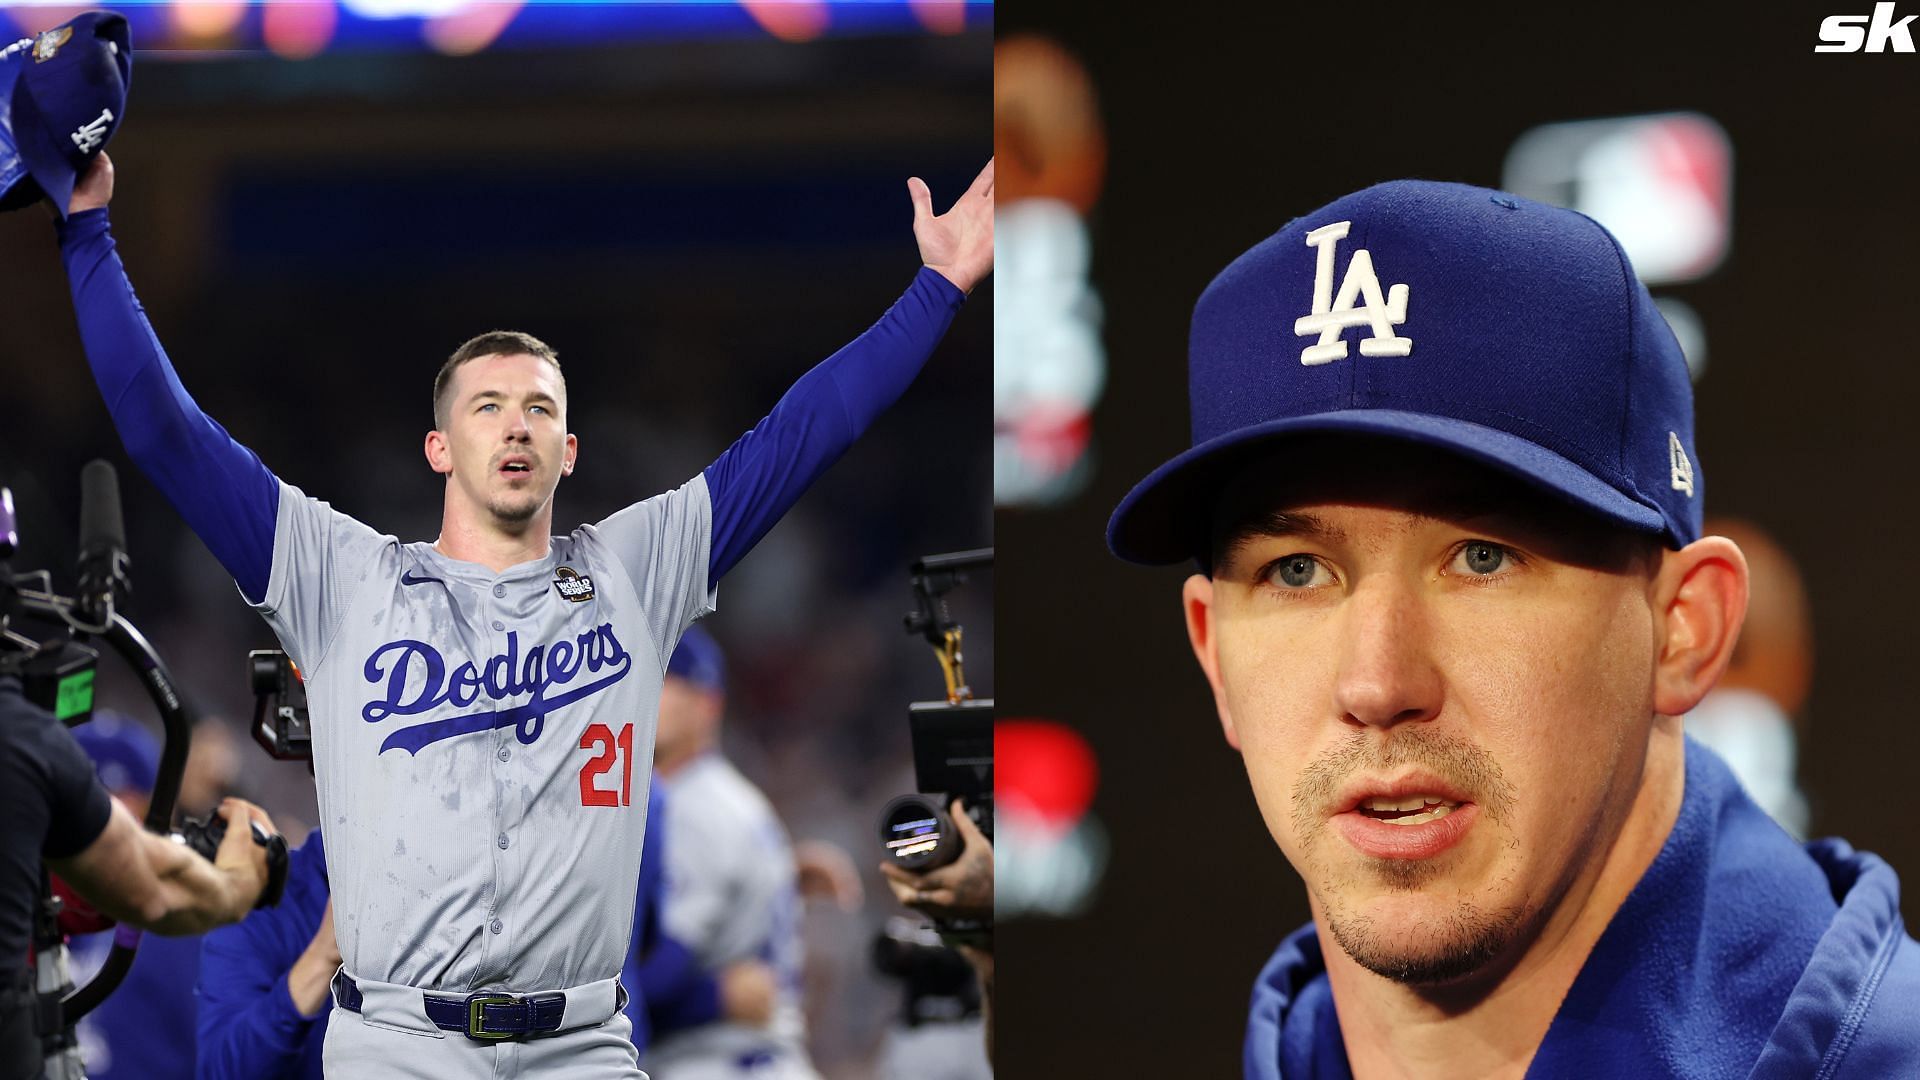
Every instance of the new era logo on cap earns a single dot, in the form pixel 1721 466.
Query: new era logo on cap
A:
pixel 1538 353
pixel 1682 468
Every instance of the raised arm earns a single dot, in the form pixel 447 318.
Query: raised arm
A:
pixel 757 479
pixel 218 486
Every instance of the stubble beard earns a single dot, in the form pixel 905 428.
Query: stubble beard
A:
pixel 1456 945
pixel 515 514
pixel 513 510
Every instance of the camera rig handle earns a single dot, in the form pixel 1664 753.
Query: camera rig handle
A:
pixel 133 648
pixel 933 577
pixel 90 614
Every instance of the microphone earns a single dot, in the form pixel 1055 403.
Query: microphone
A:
pixel 103 543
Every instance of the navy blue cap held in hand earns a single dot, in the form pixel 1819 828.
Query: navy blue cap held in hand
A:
pixel 1500 329
pixel 63 93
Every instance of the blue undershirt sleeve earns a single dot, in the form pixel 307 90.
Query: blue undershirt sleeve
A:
pixel 678 992
pixel 249 1028
pixel 765 471
pixel 222 490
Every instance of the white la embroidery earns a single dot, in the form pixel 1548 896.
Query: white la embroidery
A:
pixel 93 133
pixel 1682 468
pixel 1333 314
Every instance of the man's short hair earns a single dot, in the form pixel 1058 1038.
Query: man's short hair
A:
pixel 491 343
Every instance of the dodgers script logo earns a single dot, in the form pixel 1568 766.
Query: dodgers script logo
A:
pixel 506 675
pixel 1333 314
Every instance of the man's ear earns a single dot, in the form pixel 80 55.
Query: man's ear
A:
pixel 439 456
pixel 1700 600
pixel 571 455
pixel 1196 597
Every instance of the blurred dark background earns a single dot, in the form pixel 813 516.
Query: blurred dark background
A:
pixel 691 221
pixel 1218 130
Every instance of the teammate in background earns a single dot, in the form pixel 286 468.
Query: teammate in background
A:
pixel 213 767
pixel 263 984
pixel 1454 599
pixel 732 908
pixel 137 1032
pixel 475 864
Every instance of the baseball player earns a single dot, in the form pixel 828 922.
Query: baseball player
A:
pixel 731 892
pixel 1452 601
pixel 484 703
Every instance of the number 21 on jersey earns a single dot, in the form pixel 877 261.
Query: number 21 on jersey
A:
pixel 608 749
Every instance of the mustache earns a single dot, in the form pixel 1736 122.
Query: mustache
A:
pixel 1453 759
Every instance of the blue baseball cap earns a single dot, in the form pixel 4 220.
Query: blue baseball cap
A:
pixel 698 660
pixel 126 755
pixel 1506 331
pixel 63 93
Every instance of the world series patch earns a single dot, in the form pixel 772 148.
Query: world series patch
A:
pixel 574 586
pixel 46 46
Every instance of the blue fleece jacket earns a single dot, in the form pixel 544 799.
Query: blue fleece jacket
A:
pixel 1739 954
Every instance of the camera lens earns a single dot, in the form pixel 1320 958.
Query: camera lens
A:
pixel 917 834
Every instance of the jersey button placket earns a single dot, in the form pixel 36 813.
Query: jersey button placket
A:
pixel 505 877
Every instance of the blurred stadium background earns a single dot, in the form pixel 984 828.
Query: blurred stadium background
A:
pixel 1139 154
pixel 318 201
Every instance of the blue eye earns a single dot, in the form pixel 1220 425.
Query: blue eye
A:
pixel 1481 558
pixel 1297 571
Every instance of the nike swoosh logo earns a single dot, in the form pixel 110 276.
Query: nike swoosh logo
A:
pixel 407 578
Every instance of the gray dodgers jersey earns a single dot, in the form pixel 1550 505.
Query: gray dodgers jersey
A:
pixel 730 896
pixel 483 742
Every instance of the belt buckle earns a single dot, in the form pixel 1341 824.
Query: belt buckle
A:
pixel 476 1004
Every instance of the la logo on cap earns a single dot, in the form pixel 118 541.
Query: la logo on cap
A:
pixel 1333 313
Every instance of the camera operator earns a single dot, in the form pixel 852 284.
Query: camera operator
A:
pixel 56 809
pixel 962 889
pixel 144 1029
